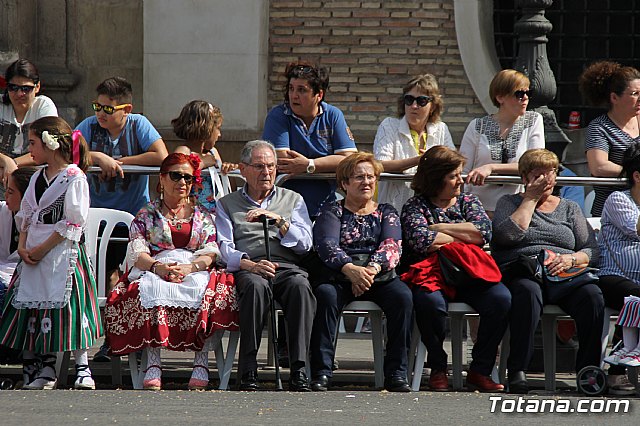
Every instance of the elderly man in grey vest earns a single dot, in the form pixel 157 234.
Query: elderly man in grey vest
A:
pixel 241 240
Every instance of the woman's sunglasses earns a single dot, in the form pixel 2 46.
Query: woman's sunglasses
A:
pixel 421 100
pixel 108 109
pixel 24 89
pixel 301 70
pixel 519 94
pixel 176 176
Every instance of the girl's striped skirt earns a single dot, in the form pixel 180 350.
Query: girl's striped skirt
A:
pixel 77 325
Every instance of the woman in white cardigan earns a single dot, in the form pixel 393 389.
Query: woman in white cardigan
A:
pixel 400 142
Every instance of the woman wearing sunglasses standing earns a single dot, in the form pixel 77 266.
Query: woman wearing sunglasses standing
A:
pixel 174 298
pixel 21 105
pixel 400 142
pixel 494 143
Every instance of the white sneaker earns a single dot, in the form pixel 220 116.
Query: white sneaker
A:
pixel 632 359
pixel 41 383
pixel 84 383
pixel 619 384
pixel 615 356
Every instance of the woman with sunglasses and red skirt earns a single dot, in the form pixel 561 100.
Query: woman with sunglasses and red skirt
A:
pixel 21 105
pixel 494 143
pixel 173 297
pixel 400 142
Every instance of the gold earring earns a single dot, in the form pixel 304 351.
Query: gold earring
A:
pixel 161 192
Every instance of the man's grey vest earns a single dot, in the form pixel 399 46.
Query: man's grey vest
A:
pixel 249 236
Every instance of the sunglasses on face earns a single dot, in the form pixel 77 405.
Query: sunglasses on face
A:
pixel 519 94
pixel 24 89
pixel 108 109
pixel 421 100
pixel 176 176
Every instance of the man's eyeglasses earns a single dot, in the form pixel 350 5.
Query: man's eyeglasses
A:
pixel 520 94
pixel 24 89
pixel 421 100
pixel 260 166
pixel 108 109
pixel 176 176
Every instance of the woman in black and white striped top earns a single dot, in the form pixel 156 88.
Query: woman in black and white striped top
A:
pixel 608 84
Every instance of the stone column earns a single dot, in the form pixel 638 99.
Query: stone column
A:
pixel 532 30
pixel 8 53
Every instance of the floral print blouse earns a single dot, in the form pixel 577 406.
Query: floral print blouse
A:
pixel 418 213
pixel 150 232
pixel 338 233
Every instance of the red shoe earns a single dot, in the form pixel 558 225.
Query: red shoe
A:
pixel 476 381
pixel 438 381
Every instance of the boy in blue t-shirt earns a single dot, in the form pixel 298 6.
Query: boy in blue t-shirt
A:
pixel 116 137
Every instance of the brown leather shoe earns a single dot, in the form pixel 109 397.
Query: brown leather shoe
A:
pixel 476 381
pixel 438 381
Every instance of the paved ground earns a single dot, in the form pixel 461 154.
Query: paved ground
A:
pixel 65 407
pixel 353 400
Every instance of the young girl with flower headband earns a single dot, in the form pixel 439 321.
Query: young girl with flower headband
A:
pixel 199 125
pixel 52 304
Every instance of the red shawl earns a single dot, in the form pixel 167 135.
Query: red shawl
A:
pixel 478 264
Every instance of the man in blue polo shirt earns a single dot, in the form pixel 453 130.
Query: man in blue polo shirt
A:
pixel 310 135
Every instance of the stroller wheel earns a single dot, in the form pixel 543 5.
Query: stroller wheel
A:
pixel 592 381
pixel 6 384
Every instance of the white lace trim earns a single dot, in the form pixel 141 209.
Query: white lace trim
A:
pixel 134 249
pixel 69 231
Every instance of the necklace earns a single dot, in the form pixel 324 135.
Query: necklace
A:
pixel 174 221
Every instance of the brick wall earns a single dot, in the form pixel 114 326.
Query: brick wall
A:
pixel 371 50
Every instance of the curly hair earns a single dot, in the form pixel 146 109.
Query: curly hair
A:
pixel 427 85
pixel 197 121
pixel 317 77
pixel 600 79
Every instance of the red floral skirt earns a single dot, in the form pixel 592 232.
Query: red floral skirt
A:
pixel 131 327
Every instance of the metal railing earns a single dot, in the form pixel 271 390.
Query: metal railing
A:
pixel 493 179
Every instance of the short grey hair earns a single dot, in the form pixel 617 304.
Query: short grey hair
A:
pixel 247 150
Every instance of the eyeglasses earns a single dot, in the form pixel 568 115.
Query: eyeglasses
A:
pixel 176 176
pixel 421 100
pixel 260 166
pixel 24 89
pixel 108 109
pixel 519 94
pixel 362 178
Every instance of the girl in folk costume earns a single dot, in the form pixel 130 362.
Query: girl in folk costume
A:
pixel 51 304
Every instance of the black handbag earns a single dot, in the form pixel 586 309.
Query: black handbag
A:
pixel 561 285
pixel 453 275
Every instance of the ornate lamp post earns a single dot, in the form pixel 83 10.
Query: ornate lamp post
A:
pixel 532 30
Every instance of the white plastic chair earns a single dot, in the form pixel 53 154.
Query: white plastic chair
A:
pixel 97 256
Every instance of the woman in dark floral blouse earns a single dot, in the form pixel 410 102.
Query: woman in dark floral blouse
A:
pixel 358 241
pixel 440 214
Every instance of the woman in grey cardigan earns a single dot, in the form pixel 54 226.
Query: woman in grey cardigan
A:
pixel 526 223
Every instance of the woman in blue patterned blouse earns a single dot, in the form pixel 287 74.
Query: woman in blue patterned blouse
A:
pixel 358 241
pixel 438 215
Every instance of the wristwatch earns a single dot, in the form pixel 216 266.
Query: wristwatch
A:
pixel 311 167
pixel 280 222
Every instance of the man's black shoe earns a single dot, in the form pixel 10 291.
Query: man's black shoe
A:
pixel 518 383
pixel 320 383
pixel 298 382
pixel 249 381
pixel 397 384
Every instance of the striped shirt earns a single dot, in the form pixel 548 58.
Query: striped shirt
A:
pixel 619 240
pixel 605 135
